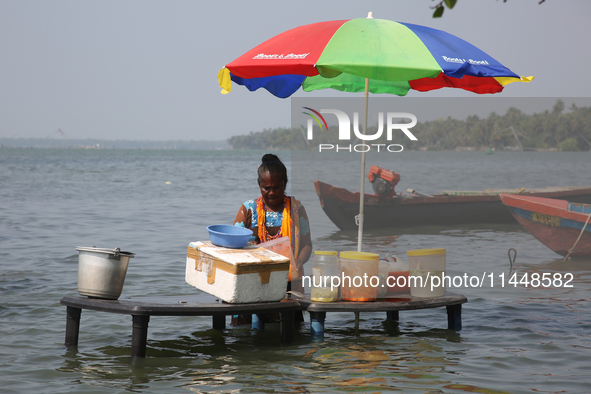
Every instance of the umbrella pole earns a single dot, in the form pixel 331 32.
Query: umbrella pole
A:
pixel 362 195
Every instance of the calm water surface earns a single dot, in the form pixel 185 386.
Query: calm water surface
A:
pixel 515 339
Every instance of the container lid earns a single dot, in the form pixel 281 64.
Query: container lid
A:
pixel 360 256
pixel 114 252
pixel 249 256
pixel 326 252
pixel 425 252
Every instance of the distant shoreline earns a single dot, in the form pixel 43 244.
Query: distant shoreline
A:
pixel 54 143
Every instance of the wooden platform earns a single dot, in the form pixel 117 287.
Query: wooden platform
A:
pixel 391 305
pixel 141 308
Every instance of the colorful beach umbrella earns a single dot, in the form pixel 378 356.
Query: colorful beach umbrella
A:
pixel 366 55
pixel 394 56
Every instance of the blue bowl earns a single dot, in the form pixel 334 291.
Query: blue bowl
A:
pixel 229 236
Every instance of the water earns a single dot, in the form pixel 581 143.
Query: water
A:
pixel 515 339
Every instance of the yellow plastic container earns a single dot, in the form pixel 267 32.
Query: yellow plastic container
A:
pixel 359 275
pixel 426 272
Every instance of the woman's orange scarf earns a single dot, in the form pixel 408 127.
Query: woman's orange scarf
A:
pixel 290 225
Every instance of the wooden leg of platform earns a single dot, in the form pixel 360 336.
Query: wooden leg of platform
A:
pixel 287 319
pixel 454 317
pixel 298 317
pixel 392 315
pixel 72 325
pixel 219 322
pixel 139 335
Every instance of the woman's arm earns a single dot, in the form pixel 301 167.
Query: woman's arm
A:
pixel 305 238
pixel 244 219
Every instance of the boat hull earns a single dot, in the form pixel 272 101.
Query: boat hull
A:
pixel 341 206
pixel 553 224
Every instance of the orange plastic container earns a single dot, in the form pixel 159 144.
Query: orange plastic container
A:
pixel 396 285
pixel 359 276
pixel 398 277
pixel 282 246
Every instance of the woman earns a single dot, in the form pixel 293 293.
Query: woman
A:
pixel 274 215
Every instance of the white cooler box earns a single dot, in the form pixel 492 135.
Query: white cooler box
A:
pixel 250 274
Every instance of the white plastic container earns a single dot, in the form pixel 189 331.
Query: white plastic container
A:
pixel 359 274
pixel 383 270
pixel 325 265
pixel 250 274
pixel 426 272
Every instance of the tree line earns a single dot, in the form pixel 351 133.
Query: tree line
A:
pixel 557 129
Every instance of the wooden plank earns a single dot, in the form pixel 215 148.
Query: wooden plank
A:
pixel 402 302
pixel 141 308
pixel 194 305
pixel 317 310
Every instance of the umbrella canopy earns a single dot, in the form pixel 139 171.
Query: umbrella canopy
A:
pixel 394 56
pixel 366 54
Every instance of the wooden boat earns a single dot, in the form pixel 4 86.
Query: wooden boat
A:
pixel 448 208
pixel 558 224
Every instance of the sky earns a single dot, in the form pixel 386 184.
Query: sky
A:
pixel 147 70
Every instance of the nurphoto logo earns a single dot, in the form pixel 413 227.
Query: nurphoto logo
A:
pixel 393 124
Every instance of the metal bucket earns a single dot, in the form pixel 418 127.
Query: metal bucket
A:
pixel 101 272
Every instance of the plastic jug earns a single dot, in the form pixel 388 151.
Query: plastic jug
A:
pixel 325 266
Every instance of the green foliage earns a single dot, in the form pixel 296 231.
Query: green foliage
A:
pixel 280 138
pixel 438 12
pixel 442 4
pixel 440 7
pixel 559 129
pixel 569 145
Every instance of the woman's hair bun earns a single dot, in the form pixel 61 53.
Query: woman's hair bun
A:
pixel 269 157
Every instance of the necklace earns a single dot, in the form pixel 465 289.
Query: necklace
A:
pixel 262 221
pixel 268 236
